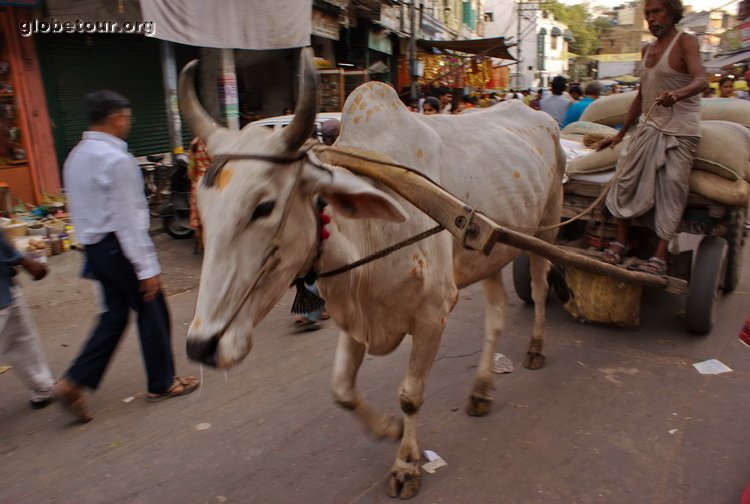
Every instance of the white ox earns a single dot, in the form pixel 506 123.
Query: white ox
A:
pixel 506 160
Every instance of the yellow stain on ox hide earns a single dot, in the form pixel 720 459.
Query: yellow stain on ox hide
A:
pixel 352 108
pixel 196 324
pixel 358 99
pixel 362 105
pixel 516 174
pixel 419 153
pixel 357 119
pixel 225 176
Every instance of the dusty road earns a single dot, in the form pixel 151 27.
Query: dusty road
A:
pixel 618 416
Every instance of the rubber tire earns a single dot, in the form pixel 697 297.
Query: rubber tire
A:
pixel 735 237
pixel 522 278
pixel 174 229
pixel 705 284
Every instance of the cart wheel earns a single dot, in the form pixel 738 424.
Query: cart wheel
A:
pixel 735 239
pixel 176 229
pixel 522 278
pixel 704 288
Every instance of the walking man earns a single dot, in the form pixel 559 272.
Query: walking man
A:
pixel 105 194
pixel 656 165
pixel 19 340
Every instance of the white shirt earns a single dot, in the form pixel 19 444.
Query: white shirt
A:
pixel 556 106
pixel 104 188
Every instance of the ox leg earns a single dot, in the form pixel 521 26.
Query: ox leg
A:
pixel 349 355
pixel 480 399
pixel 405 478
pixel 539 288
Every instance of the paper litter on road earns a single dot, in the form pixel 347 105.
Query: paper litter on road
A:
pixel 128 399
pixel 435 461
pixel 203 426
pixel 502 364
pixel 712 367
pixel 3 369
pixel 672 431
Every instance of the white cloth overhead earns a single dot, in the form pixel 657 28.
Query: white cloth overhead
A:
pixel 232 24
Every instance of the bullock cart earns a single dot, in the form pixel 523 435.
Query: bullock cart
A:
pixel 704 261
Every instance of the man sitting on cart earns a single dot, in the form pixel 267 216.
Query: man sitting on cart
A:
pixel 655 168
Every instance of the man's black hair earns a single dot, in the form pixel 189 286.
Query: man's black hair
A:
pixel 558 85
pixel 103 103
pixel 442 90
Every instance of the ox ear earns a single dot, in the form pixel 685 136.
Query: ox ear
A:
pixel 355 198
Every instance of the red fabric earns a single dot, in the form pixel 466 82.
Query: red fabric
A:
pixel 745 499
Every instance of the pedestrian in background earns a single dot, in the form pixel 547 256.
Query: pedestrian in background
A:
pixel 556 104
pixel 593 90
pixel 110 213
pixel 726 87
pixel 19 340
pixel 431 106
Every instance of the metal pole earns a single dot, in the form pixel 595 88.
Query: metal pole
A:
pixel 169 79
pixel 228 90
pixel 413 49
pixel 518 45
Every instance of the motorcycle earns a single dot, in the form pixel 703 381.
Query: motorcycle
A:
pixel 175 212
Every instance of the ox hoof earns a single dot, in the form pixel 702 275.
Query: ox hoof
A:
pixel 404 481
pixel 479 406
pixel 534 360
pixel 390 428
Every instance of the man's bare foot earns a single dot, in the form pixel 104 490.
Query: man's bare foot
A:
pixel 72 399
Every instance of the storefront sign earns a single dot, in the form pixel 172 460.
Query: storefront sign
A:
pixel 228 95
pixel 611 58
pixel 390 17
pixel 325 25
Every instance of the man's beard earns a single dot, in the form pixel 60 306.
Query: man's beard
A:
pixel 657 30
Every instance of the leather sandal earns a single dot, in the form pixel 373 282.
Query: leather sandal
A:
pixel 611 256
pixel 180 387
pixel 72 399
pixel 654 266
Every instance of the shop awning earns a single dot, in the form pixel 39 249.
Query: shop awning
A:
pixel 492 47
pixel 729 59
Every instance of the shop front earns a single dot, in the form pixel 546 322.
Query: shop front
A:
pixel 28 162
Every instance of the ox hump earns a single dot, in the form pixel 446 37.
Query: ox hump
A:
pixel 370 101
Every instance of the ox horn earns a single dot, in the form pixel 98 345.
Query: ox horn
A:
pixel 302 126
pixel 196 117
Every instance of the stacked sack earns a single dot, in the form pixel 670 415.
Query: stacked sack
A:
pixel 721 170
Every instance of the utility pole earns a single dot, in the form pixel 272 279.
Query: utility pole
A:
pixel 518 44
pixel 413 49
pixel 522 7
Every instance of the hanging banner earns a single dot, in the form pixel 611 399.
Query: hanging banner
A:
pixel 616 58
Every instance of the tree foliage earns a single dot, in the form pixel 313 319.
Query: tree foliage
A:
pixel 579 20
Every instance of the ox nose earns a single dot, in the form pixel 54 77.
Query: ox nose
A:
pixel 203 350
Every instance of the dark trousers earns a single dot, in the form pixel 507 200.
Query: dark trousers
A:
pixel 112 269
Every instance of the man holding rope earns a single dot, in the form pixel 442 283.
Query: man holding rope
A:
pixel 654 169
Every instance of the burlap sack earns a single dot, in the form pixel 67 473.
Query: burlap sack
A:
pixel 610 110
pixel 714 187
pixel 726 109
pixel 724 149
pixel 585 127
pixel 599 161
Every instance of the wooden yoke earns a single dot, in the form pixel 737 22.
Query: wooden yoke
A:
pixel 474 229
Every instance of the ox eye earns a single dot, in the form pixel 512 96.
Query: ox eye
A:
pixel 263 209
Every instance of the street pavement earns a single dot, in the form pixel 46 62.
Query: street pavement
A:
pixel 617 416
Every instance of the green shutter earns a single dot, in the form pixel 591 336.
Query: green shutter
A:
pixel 75 65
